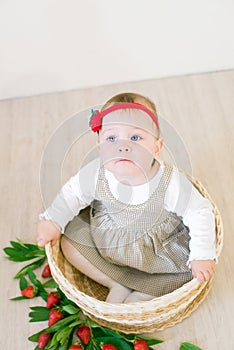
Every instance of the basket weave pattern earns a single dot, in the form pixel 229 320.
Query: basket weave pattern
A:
pixel 141 317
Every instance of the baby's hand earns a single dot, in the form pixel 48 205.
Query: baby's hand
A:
pixel 203 270
pixel 47 231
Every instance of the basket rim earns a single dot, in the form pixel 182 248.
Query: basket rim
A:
pixel 157 301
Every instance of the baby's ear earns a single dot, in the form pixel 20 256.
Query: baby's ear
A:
pixel 159 146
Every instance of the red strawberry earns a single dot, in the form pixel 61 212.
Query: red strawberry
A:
pixel 43 340
pixel 75 347
pixel 140 344
pixel 84 333
pixel 29 292
pixel 53 299
pixel 46 271
pixel 109 347
pixel 55 316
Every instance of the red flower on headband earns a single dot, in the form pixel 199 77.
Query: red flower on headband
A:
pixel 95 120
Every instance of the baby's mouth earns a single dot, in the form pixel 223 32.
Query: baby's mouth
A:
pixel 124 160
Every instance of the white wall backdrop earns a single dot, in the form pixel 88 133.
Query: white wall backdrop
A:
pixel 56 45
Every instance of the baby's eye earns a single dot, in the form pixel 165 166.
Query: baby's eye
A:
pixel 111 138
pixel 135 138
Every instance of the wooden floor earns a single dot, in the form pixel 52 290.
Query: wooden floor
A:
pixel 201 110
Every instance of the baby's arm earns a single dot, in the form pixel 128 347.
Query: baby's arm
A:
pixel 56 217
pixel 75 195
pixel 201 221
pixel 197 213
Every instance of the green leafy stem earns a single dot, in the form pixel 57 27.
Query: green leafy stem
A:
pixel 19 252
pixel 63 332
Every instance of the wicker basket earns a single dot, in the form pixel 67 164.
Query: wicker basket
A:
pixel 141 317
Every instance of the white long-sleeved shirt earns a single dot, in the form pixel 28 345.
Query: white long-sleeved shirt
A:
pixel 181 198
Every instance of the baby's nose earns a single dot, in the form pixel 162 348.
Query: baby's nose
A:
pixel 124 147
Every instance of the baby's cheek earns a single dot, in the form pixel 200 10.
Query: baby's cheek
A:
pixel 107 150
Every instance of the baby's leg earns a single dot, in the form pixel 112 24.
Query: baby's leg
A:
pixel 137 296
pixel 117 292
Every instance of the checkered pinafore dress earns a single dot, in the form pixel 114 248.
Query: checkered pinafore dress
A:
pixel 143 247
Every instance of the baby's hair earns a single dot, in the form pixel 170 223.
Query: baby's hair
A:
pixel 131 97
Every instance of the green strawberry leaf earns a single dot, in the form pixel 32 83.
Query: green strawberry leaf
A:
pixel 33 278
pixel 189 346
pixel 19 298
pixel 39 313
pixel 94 324
pixel 63 334
pixel 23 283
pixel 37 318
pixel 30 246
pixel 43 295
pixel 39 308
pixel 35 254
pixel 33 247
pixel 64 346
pixel 107 332
pixel 19 251
pixel 15 255
pixel 51 346
pixel 76 323
pixel 60 324
pixel 64 299
pixel 100 332
pixel 48 346
pixel 18 246
pixel 90 346
pixel 31 266
pixel 67 343
pixel 50 284
pixel 41 290
pixel 70 309
pixel 130 336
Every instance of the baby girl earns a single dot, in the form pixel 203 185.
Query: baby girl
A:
pixel 128 220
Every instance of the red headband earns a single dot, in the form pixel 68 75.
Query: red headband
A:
pixel 97 116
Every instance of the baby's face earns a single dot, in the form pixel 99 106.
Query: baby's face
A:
pixel 128 145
